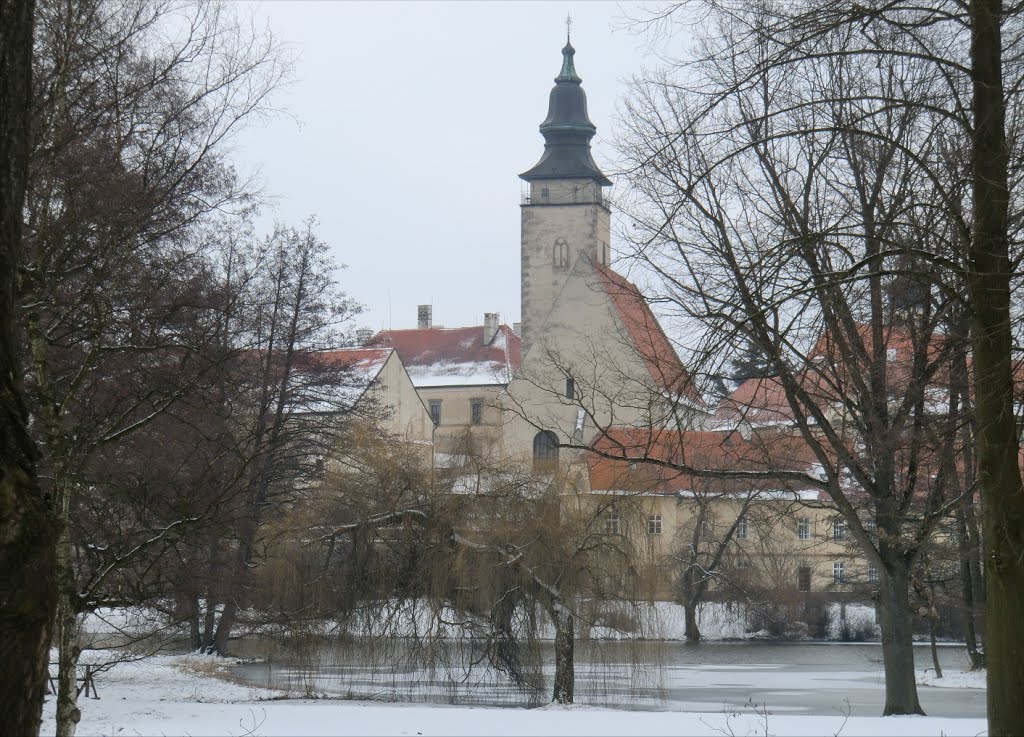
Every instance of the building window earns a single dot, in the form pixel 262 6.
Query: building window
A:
pixel 612 524
pixel 561 254
pixel 803 578
pixel 872 574
pixel 476 411
pixel 435 411
pixel 654 524
pixel 838 570
pixel 743 564
pixel 545 450
pixel 838 529
pixel 803 528
pixel 570 387
pixel 741 529
pixel 705 529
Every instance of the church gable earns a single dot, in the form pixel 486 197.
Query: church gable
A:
pixel 600 351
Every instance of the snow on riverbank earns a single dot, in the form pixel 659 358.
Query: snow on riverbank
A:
pixel 651 621
pixel 183 695
pixel 952 679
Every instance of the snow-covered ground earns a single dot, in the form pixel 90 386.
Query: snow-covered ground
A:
pixel 657 621
pixel 189 695
pixel 952 679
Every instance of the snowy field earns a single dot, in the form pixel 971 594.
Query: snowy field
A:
pixel 179 695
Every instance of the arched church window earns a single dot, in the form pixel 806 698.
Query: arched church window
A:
pixel 561 254
pixel 545 450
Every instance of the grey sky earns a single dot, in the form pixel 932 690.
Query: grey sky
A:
pixel 411 124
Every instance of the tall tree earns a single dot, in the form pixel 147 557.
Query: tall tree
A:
pixel 28 528
pixel 133 104
pixel 990 270
pixel 966 84
pixel 785 198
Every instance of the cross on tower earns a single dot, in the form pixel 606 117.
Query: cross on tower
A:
pixel 568 26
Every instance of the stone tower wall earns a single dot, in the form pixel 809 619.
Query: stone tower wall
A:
pixel 556 230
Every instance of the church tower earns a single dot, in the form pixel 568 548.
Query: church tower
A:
pixel 564 212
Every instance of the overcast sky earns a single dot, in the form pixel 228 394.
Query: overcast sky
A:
pixel 410 123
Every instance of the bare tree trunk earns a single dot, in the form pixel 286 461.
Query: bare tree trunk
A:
pixel 935 646
pixel 224 627
pixel 692 629
pixel 897 640
pixel 195 632
pixel 998 470
pixel 209 623
pixel 28 529
pixel 68 714
pixel 565 643
pixel 968 601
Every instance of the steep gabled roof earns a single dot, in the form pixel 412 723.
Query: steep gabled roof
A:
pixel 455 356
pixel 646 335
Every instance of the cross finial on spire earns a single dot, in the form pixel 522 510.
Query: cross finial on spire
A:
pixel 568 26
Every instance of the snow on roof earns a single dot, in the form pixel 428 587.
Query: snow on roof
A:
pixel 647 336
pixel 362 366
pixel 455 356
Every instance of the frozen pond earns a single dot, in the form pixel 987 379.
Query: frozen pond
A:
pixel 783 678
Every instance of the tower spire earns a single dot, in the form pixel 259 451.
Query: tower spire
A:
pixel 567 129
pixel 568 27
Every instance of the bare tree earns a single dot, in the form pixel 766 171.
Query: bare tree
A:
pixel 28 532
pixel 132 107
pixel 784 209
pixel 969 80
pixel 286 404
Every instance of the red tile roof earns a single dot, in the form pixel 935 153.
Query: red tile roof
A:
pixel 365 362
pixel 432 350
pixel 760 401
pixel 646 335
pixel 705 450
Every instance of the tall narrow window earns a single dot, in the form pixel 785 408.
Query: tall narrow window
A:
pixel 838 571
pixel 476 411
pixel 435 411
pixel 561 254
pixel 838 530
pixel 872 574
pixel 654 524
pixel 570 387
pixel 803 578
pixel 803 528
pixel 545 451
pixel 741 529
pixel 612 524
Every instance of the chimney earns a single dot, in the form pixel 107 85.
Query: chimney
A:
pixel 490 326
pixel 517 328
pixel 364 336
pixel 424 317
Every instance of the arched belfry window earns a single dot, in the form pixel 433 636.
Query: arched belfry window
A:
pixel 545 450
pixel 561 254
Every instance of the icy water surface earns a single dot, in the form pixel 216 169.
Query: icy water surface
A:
pixel 781 678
